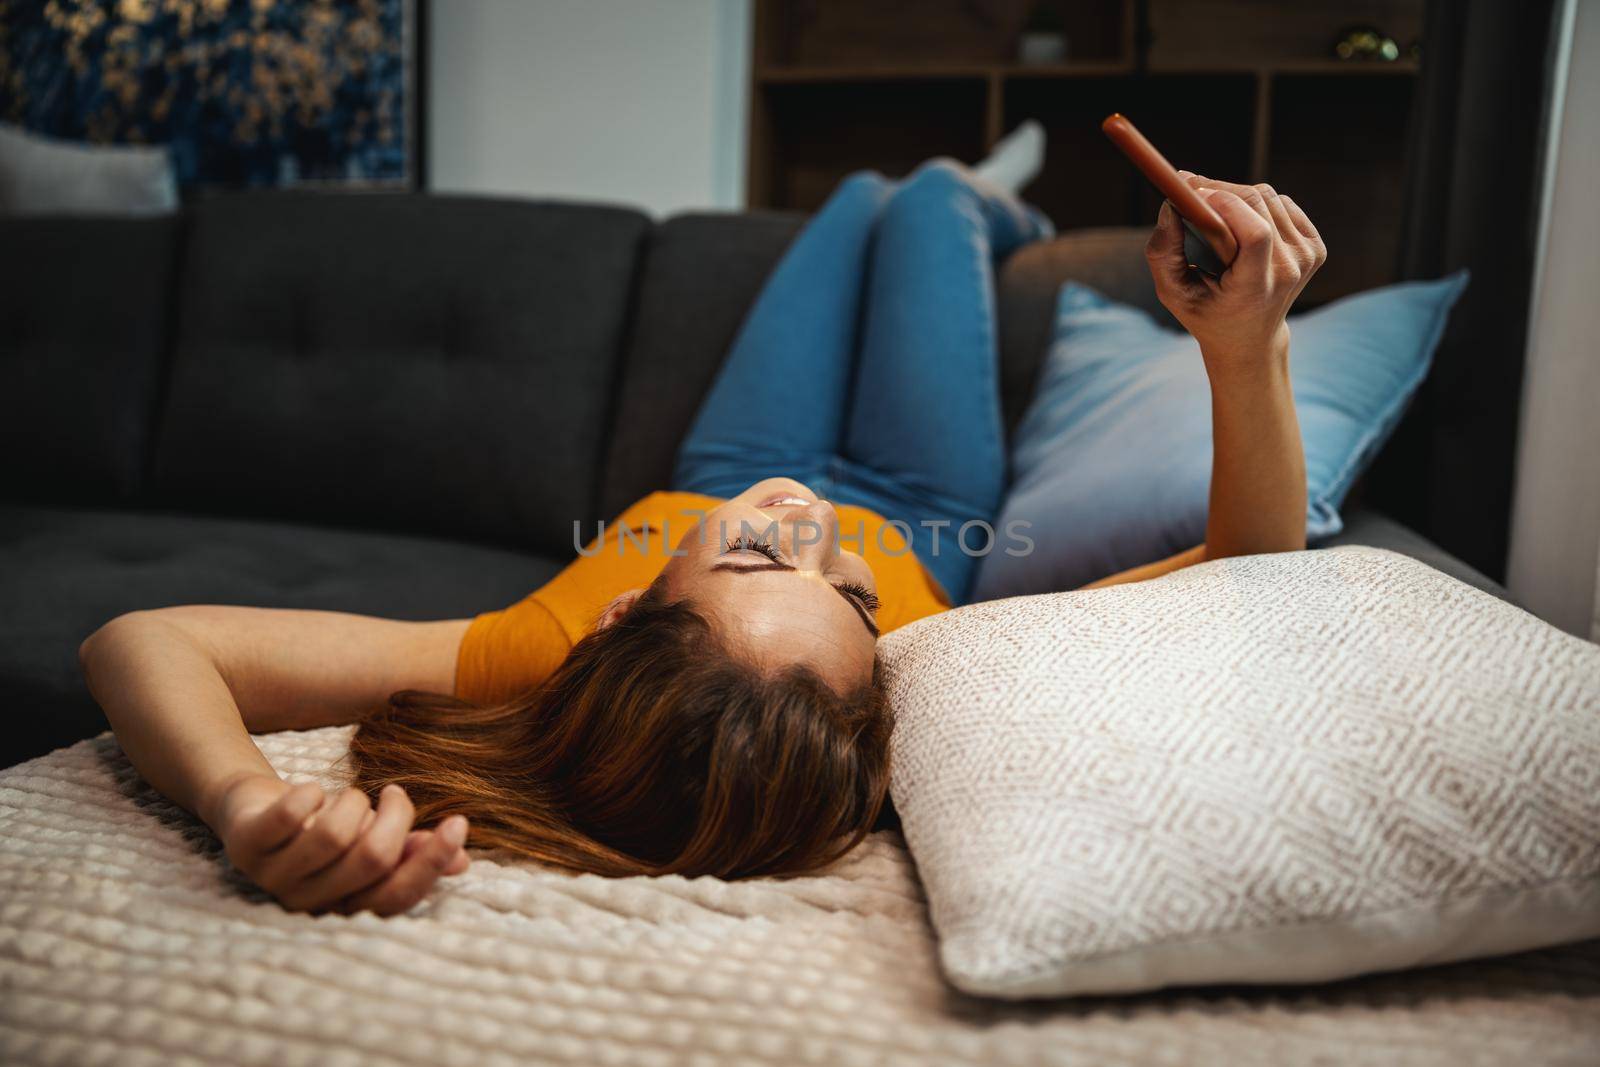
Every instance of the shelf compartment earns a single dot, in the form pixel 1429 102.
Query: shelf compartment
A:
pixel 1204 33
pixel 807 34
pixel 821 132
pixel 1338 147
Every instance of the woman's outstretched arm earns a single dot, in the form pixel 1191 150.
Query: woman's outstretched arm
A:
pixel 182 687
pixel 1258 470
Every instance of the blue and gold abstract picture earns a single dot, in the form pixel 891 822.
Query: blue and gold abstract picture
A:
pixel 246 92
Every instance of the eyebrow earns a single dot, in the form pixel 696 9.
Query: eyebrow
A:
pixel 756 568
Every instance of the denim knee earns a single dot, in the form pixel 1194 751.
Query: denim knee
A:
pixel 941 171
pixel 857 183
pixel 933 191
pixel 937 179
pixel 944 181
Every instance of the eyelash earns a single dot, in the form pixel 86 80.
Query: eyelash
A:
pixel 868 598
pixel 750 544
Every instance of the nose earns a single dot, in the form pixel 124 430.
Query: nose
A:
pixel 813 534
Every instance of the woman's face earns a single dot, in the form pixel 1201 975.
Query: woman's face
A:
pixel 767 569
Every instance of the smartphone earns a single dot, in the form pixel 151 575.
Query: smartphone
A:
pixel 1207 242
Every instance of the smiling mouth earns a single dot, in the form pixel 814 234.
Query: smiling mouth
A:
pixel 786 502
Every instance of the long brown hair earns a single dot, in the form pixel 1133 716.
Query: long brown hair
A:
pixel 653 749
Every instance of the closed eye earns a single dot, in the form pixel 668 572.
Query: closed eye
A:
pixel 867 598
pixel 863 600
pixel 759 547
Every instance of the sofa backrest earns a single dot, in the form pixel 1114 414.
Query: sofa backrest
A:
pixel 85 323
pixel 489 369
pixel 426 363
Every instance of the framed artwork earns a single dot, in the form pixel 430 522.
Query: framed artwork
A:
pixel 247 93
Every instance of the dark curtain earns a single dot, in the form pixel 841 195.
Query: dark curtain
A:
pixel 1472 200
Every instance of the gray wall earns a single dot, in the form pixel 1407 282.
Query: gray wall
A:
pixel 631 101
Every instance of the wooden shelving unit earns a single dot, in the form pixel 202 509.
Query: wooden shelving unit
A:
pixel 1240 89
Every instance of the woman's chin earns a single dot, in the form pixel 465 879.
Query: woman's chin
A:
pixel 779 493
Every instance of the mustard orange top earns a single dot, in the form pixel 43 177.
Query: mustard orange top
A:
pixel 506 653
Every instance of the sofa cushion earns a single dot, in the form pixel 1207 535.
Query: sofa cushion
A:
pixel 42 175
pixel 1111 465
pixel 1110 260
pixel 84 325
pixel 440 364
pixel 64 572
pixel 1363 526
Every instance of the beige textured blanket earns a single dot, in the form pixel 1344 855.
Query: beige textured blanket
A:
pixel 124 939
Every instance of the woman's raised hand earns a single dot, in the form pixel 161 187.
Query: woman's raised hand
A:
pixel 1239 317
pixel 316 851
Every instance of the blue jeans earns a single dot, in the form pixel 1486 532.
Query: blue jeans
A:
pixel 867 368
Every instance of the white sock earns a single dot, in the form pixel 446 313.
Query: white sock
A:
pixel 1016 159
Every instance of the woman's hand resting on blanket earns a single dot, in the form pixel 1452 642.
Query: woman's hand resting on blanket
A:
pixel 1238 318
pixel 319 851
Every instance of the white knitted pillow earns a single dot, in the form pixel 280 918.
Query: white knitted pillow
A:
pixel 1283 768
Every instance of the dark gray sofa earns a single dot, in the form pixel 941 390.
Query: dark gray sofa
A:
pixel 387 404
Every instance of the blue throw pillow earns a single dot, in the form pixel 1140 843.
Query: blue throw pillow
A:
pixel 1112 465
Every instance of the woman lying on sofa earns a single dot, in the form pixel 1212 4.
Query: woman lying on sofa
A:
pixel 697 693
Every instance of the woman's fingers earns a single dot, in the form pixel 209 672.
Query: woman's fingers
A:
pixel 457 864
pixel 1287 231
pixel 376 851
pixel 314 851
pixel 1287 217
pixel 260 833
pixel 1307 230
pixel 427 862
pixel 321 840
pixel 1242 313
pixel 1169 266
pixel 1164 249
pixel 1249 194
pixel 1301 222
pixel 1251 230
pixel 1300 253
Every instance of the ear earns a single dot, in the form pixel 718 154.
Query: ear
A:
pixel 618 607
